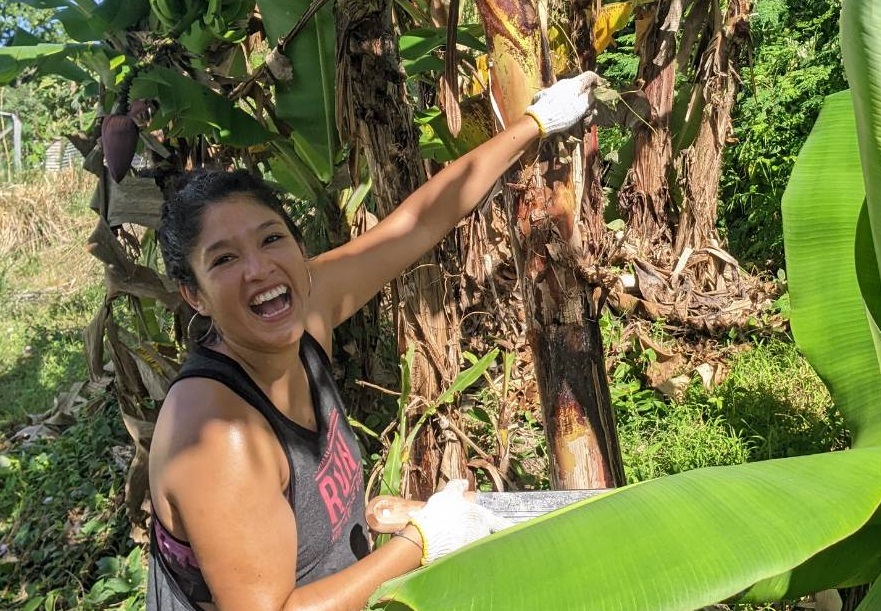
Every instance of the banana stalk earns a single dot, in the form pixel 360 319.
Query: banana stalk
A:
pixel 544 211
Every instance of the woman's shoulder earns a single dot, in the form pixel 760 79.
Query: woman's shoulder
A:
pixel 207 424
pixel 207 436
pixel 197 407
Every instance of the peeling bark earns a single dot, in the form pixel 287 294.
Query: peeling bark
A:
pixel 374 117
pixel 593 200
pixel 700 165
pixel 644 200
pixel 544 195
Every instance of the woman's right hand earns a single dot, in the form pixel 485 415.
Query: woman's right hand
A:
pixel 449 521
pixel 564 103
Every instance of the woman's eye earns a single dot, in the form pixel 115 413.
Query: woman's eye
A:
pixel 275 237
pixel 221 260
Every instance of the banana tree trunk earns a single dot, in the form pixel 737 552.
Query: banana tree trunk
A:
pixel 373 115
pixel 700 165
pixel 644 200
pixel 543 195
pixel 593 199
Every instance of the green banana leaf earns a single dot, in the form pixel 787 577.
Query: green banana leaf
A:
pixel 289 170
pixel 87 20
pixel 49 57
pixel 872 601
pixel 196 109
pixel 867 272
pixel 760 531
pixel 418 46
pixel 861 50
pixel 307 102
pixel 680 542
pixel 820 210
pixel 53 63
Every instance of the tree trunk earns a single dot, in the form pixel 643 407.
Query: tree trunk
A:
pixel 700 165
pixel 683 272
pixel 644 200
pixel 375 118
pixel 593 201
pixel 543 194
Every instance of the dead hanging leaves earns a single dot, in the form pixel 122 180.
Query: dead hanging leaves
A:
pixel 79 401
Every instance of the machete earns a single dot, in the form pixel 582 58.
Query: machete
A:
pixel 389 514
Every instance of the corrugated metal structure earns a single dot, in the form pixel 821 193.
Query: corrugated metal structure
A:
pixel 62 154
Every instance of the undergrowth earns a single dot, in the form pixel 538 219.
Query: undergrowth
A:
pixel 49 287
pixel 65 537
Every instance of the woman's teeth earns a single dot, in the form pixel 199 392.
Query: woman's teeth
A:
pixel 272 302
pixel 270 294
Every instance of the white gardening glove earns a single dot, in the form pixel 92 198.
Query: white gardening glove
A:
pixel 564 103
pixel 448 521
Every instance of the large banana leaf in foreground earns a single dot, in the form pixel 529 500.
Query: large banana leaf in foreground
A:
pixel 677 543
pixel 760 531
pixel 861 49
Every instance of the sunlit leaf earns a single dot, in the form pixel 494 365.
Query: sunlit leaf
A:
pixel 307 102
pixel 48 57
pixel 197 109
pixel 702 536
pixel 821 206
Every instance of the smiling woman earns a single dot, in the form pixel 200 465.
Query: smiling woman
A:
pixel 255 478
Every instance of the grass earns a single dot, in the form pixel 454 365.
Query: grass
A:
pixel 777 404
pixel 64 540
pixel 771 404
pixel 49 290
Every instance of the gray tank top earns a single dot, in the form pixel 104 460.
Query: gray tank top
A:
pixel 326 487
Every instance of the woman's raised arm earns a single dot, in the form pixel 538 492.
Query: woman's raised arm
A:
pixel 346 277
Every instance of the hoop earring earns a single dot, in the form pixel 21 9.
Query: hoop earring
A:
pixel 309 276
pixel 205 335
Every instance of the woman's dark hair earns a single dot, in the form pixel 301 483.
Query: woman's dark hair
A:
pixel 182 214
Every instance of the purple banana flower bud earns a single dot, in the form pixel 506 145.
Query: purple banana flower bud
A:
pixel 119 139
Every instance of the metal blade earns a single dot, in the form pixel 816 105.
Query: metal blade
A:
pixel 520 506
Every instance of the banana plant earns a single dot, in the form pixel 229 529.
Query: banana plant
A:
pixel 763 531
pixel 156 50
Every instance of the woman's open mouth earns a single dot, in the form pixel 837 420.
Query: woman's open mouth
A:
pixel 272 302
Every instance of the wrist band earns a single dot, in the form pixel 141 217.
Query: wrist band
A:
pixel 531 113
pixel 423 545
pixel 401 534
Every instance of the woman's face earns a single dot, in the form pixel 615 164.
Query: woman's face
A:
pixel 251 274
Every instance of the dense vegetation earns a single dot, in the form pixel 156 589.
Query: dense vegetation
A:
pixel 796 64
pixel 63 534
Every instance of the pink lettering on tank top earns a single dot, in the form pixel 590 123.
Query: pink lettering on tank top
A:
pixel 337 478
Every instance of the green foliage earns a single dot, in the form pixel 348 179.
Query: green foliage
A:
pixel 771 404
pixel 776 403
pixel 417 47
pixel 795 65
pixel 662 437
pixel 619 63
pixel 15 16
pixel 48 107
pixel 47 104
pixel 66 535
pixel 45 306
pixel 42 351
